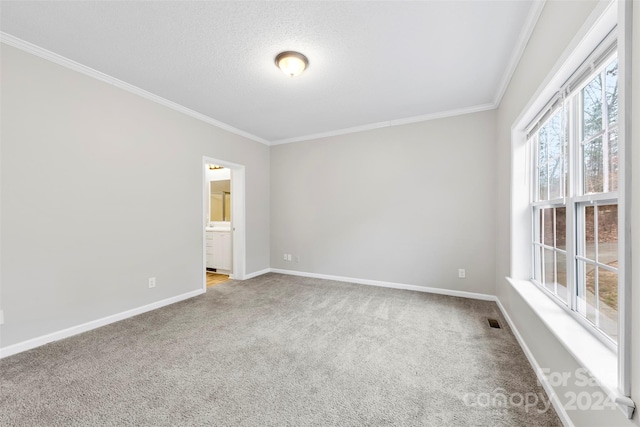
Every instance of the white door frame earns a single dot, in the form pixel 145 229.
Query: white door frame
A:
pixel 237 217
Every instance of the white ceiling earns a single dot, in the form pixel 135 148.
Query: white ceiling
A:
pixel 372 63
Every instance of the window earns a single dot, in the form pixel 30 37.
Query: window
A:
pixel 570 209
pixel 574 199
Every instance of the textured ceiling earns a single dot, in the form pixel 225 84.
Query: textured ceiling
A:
pixel 370 62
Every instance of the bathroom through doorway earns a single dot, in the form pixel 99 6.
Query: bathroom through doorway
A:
pixel 223 225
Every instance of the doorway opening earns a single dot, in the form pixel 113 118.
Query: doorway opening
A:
pixel 223 221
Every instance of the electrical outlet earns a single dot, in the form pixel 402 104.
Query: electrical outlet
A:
pixel 1 317
pixel 152 282
pixel 288 257
pixel 461 273
pixel 285 257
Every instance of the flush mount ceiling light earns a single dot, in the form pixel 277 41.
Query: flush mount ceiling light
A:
pixel 292 63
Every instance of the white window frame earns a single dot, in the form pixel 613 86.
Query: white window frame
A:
pixel 573 199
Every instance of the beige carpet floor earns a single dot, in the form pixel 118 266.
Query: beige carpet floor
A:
pixel 283 351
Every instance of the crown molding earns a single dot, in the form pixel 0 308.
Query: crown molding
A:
pixel 75 66
pixel 521 44
pixel 523 39
pixel 391 123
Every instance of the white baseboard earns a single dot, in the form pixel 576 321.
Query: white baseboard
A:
pixel 557 405
pixel 74 330
pixel 440 291
pixel 257 273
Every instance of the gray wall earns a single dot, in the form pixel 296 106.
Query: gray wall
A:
pixel 559 22
pixel 408 204
pixel 102 189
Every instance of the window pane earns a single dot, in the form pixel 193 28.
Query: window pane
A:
pixel 598 286
pixel 608 235
pixel 549 271
pixel 608 302
pixel 552 147
pixel 547 227
pixel 589 233
pixel 592 108
pixel 556 157
pixel 612 161
pixel 562 275
pixel 580 287
pixel 592 166
pixel 561 228
pixel 611 88
pixel 590 292
pixel 543 180
pixel 540 226
pixel 537 271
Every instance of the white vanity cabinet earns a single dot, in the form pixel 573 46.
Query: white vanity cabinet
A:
pixel 210 262
pixel 222 250
pixel 219 250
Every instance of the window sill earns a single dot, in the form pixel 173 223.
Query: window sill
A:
pixel 589 351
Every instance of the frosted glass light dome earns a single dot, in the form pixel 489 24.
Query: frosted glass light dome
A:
pixel 292 63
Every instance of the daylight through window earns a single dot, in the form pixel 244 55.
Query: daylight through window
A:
pixel 574 200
